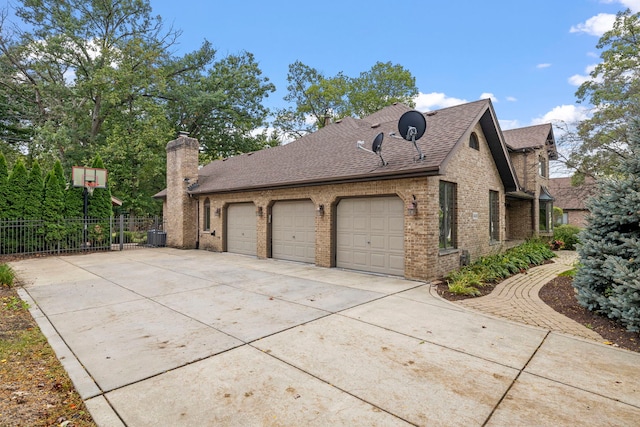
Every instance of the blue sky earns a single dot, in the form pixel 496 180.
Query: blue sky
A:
pixel 529 56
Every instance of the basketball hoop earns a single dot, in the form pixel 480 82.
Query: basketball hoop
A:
pixel 90 186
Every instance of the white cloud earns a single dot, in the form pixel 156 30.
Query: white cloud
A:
pixel 634 5
pixel 578 79
pixel 596 25
pixel 509 124
pixel 435 100
pixel 568 114
pixel 512 98
pixel 488 95
pixel 545 65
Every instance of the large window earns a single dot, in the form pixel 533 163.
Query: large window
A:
pixel 543 166
pixel 494 216
pixel 546 209
pixel 207 214
pixel 447 215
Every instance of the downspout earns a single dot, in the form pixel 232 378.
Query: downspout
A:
pixel 197 222
pixel 526 175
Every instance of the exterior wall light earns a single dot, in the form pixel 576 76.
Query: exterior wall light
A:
pixel 259 211
pixel 412 208
pixel 217 212
pixel 320 210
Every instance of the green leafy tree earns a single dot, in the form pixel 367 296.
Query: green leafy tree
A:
pixel 219 104
pixel 52 211
pixel 608 280
pixel 135 151
pixel 601 141
pixel 78 76
pixel 318 99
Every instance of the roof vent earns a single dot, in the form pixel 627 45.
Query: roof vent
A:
pixel 375 125
pixel 431 113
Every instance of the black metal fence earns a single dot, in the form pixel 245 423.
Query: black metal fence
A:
pixel 30 237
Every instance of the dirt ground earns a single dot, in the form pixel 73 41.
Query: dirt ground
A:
pixel 34 388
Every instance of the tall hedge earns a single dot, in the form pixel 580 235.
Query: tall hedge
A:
pixel 4 180
pixel 16 190
pixel 608 280
pixel 52 210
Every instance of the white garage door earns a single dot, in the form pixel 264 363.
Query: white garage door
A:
pixel 241 228
pixel 293 231
pixel 370 235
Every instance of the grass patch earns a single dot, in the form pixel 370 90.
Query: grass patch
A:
pixel 568 273
pixel 6 276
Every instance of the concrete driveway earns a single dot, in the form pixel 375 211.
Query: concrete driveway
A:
pixel 184 337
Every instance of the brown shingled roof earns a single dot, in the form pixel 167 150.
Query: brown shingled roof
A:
pixel 331 154
pixel 531 137
pixel 568 196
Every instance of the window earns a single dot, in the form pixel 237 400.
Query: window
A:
pixel 565 218
pixel 473 141
pixel 447 215
pixel 207 215
pixel 494 216
pixel 545 202
pixel 546 208
pixel 543 166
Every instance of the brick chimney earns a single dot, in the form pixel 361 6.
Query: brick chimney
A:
pixel 181 210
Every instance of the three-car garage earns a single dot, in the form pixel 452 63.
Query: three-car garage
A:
pixel 368 233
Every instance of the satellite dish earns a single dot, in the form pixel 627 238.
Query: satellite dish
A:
pixel 376 147
pixel 412 126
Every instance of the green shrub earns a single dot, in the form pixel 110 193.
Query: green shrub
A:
pixel 6 275
pixel 462 289
pixel 567 234
pixel 493 268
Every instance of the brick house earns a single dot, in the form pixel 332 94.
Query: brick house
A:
pixel 531 148
pixel 572 199
pixel 323 201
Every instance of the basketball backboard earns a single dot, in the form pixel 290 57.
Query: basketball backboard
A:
pixel 89 177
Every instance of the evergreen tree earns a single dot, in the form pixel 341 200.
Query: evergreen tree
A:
pixel 34 193
pixel 17 190
pixel 608 280
pixel 52 210
pixel 4 182
pixel 33 208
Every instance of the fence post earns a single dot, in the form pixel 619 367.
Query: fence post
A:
pixel 121 232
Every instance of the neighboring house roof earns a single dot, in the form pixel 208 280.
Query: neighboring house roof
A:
pixel 537 136
pixel 115 201
pixel 330 154
pixel 571 197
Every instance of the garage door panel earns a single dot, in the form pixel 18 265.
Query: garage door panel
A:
pixel 241 229
pixel 396 262
pixel 396 244
pixel 293 230
pixel 370 234
pixel 396 224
